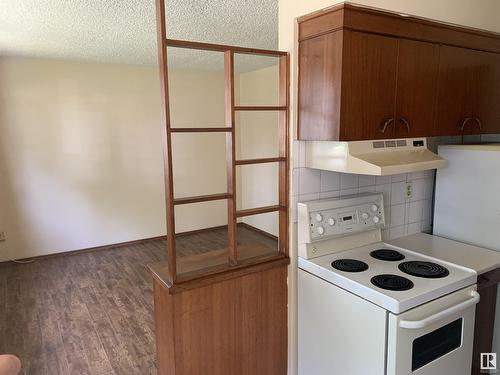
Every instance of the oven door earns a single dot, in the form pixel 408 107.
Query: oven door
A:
pixel 435 338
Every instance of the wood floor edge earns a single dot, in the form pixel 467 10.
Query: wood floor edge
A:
pixel 132 242
pixel 88 249
pixel 260 231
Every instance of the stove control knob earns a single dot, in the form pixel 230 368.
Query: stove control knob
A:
pixel 321 230
pixel 365 215
pixel 374 208
pixel 331 221
pixel 376 219
pixel 319 218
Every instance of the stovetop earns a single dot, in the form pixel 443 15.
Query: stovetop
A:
pixel 391 277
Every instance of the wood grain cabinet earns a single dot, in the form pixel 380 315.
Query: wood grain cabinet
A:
pixel 369 67
pixel 417 83
pixel 487 103
pixel 469 92
pixel 356 86
pixel 456 92
pixel 369 74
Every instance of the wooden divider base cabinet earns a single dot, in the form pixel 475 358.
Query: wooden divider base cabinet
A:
pixel 370 74
pixel 235 326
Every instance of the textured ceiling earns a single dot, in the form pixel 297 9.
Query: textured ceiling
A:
pixel 123 31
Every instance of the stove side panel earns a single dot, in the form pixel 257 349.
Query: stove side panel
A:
pixel 339 333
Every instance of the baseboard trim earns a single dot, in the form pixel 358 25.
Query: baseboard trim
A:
pixel 203 230
pixel 89 249
pixel 260 231
pixel 138 242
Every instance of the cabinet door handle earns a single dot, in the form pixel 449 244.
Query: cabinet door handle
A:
pixel 386 124
pixel 464 123
pixel 479 123
pixel 406 123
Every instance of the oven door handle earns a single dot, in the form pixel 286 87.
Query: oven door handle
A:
pixel 417 324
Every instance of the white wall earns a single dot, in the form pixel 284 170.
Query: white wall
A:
pixel 482 14
pixel 81 160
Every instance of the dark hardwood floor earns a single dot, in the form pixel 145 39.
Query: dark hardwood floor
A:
pixel 90 312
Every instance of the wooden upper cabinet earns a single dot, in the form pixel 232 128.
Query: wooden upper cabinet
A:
pixel 417 83
pixel 469 92
pixel 320 61
pixel 368 86
pixel 369 74
pixel 456 92
pixel 355 86
pixel 487 97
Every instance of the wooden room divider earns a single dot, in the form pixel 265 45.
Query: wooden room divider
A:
pixel 230 195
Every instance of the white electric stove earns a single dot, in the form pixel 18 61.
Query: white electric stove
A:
pixel 369 307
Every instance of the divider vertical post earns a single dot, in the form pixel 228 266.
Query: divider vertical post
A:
pixel 284 79
pixel 230 157
pixel 167 141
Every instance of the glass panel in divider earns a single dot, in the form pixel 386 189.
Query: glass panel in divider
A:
pixel 257 236
pixel 196 88
pixel 256 80
pixel 201 237
pixel 257 185
pixel 199 164
pixel 257 134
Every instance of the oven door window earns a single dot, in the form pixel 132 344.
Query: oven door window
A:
pixel 437 343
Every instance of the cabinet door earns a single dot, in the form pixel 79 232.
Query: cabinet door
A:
pixel 368 86
pixel 320 61
pixel 456 91
pixel 487 98
pixel 417 80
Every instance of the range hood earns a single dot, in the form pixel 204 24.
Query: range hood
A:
pixel 379 158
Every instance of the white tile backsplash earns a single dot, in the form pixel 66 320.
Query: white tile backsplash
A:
pixel 366 180
pixel 417 175
pixel 345 192
pixel 415 213
pixel 418 190
pixel 385 189
pixel 399 177
pixel 398 193
pixel 397 232
pixel 348 181
pixel 329 194
pixel 309 181
pixel 403 215
pixel 397 215
pixel 329 181
pixel 308 197
pixel 366 189
pixel 382 180
pixel 414 228
pixel 429 188
pixel 387 211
